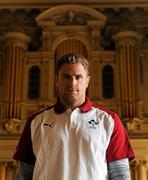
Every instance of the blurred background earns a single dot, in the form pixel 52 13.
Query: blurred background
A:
pixel 112 34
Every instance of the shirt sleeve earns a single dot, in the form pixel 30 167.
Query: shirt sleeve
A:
pixel 24 151
pixel 25 171
pixel 119 146
pixel 119 170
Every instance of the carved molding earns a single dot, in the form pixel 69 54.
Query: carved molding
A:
pixel 69 20
pixel 16 39
pixel 59 10
pixel 127 37
pixel 12 126
pixel 133 124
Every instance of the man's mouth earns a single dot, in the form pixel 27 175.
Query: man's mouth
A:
pixel 71 90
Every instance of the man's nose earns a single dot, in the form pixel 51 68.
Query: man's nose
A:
pixel 73 81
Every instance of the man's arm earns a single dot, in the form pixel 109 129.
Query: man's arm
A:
pixel 25 171
pixel 119 170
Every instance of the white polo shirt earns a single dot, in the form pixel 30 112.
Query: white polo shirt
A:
pixel 74 145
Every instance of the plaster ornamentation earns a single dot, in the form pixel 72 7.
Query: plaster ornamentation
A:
pixel 13 126
pixel 133 124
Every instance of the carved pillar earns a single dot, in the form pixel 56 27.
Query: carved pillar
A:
pixel 2 170
pixel 95 28
pixel 46 35
pixel 133 170
pixel 8 170
pixel 129 92
pixel 142 171
pixel 11 170
pixel 48 79
pixel 95 72
pixel 15 47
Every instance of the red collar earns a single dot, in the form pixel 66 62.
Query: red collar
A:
pixel 85 107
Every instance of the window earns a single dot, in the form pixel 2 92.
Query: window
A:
pixel 34 83
pixel 108 82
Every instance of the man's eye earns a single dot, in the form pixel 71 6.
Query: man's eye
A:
pixel 78 77
pixel 66 77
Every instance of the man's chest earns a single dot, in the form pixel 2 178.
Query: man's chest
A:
pixel 75 128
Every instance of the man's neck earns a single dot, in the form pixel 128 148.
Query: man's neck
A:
pixel 73 105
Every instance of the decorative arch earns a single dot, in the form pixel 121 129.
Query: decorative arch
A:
pixel 71 22
pixel 50 13
pixel 62 38
pixel 71 46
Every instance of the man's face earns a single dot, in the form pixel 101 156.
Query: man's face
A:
pixel 72 82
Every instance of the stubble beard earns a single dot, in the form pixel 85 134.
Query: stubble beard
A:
pixel 71 101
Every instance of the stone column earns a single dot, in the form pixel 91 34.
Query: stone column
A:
pixel 129 90
pixel 95 27
pixel 48 79
pixel 2 170
pixel 142 171
pixel 95 72
pixel 11 170
pixel 46 36
pixel 15 48
pixel 8 170
pixel 133 165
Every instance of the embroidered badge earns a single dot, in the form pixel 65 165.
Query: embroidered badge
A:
pixel 93 124
pixel 49 124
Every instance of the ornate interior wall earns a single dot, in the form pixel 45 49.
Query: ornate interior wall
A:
pixel 33 39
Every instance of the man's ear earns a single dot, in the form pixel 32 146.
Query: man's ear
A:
pixel 88 79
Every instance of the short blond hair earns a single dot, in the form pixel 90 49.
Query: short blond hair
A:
pixel 72 59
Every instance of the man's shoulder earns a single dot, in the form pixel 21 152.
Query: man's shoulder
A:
pixel 38 113
pixel 109 112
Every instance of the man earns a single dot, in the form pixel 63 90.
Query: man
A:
pixel 74 139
